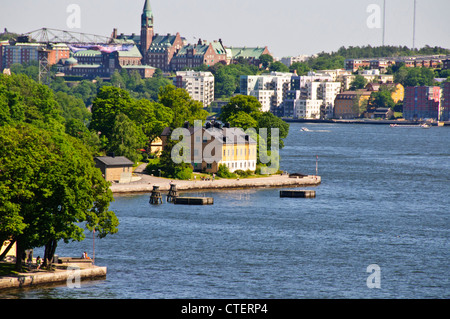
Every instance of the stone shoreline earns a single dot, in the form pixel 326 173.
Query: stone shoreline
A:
pixel 58 276
pixel 146 183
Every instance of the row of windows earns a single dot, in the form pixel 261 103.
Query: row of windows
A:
pixel 243 165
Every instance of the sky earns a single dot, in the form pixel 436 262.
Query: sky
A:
pixel 286 27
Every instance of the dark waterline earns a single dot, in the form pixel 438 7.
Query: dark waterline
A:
pixel 384 199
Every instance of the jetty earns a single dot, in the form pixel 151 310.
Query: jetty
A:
pixel 298 193
pixel 146 183
pixel 65 272
pixel 194 201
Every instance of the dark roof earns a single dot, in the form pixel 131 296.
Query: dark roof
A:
pixel 114 161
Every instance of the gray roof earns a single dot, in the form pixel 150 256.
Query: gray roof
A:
pixel 114 161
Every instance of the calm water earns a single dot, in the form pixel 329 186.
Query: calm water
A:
pixel 384 200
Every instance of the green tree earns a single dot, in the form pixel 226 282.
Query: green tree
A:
pixel 266 60
pixel 50 187
pixel 269 121
pixel 382 98
pixel 30 102
pixel 242 120
pixel 301 68
pixel 277 66
pixel 171 169
pixel 241 103
pixel 184 108
pixel 126 138
pixel 109 103
pixel 152 117
pixel 359 82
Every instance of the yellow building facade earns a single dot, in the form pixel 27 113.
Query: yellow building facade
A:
pixel 215 145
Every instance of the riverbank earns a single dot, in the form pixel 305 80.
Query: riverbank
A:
pixel 57 276
pixel 363 121
pixel 146 182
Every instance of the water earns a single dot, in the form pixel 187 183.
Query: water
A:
pixel 384 200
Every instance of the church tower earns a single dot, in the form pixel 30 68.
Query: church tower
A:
pixel 146 28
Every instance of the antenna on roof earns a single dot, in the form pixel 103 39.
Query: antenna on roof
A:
pixel 414 25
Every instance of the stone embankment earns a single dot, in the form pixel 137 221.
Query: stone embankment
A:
pixel 146 183
pixel 57 276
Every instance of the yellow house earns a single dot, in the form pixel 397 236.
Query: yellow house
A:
pixel 217 144
pixel 11 252
pixel 156 146
pixel 398 92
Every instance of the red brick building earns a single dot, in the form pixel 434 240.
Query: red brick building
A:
pixel 421 102
pixel 445 103
pixel 157 50
pixel 194 55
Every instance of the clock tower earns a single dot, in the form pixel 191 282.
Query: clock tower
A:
pixel 146 28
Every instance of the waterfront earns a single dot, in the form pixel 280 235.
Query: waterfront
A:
pixel 383 200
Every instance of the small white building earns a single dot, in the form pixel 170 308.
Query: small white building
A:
pixel 200 85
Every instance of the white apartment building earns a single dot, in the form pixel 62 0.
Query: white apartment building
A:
pixel 270 89
pixel 327 93
pixel 314 94
pixel 307 108
pixel 200 85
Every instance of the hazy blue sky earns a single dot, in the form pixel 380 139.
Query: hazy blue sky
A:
pixel 287 27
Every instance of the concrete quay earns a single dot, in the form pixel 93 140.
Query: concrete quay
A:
pixel 146 183
pixel 58 276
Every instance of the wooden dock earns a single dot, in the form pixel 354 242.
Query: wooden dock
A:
pixel 298 193
pixel 193 201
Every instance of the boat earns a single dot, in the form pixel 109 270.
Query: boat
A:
pixel 304 129
pixel 411 125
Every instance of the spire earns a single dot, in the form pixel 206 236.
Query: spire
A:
pixel 147 14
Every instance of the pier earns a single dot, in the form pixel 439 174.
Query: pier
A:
pixel 146 183
pixel 59 275
pixel 194 201
pixel 298 193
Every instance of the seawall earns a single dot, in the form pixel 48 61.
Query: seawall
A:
pixel 262 182
pixel 51 277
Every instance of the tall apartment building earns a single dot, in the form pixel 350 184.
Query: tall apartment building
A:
pixel 200 85
pixel 308 108
pixel 314 90
pixel 421 102
pixel 445 103
pixel 270 89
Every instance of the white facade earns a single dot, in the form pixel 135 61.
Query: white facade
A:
pixel 328 93
pixel 200 85
pixel 307 109
pixel 269 89
pixel 325 92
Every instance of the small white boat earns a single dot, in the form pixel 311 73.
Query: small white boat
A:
pixel 304 129
pixel 409 125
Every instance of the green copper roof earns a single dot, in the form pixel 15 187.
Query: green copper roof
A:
pixel 147 13
pixel 246 52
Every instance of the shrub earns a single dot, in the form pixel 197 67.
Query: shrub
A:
pixel 224 172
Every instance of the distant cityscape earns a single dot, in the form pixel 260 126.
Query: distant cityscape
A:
pixel 319 94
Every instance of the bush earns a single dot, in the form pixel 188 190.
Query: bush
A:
pixel 224 172
pixel 243 174
pixel 153 166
